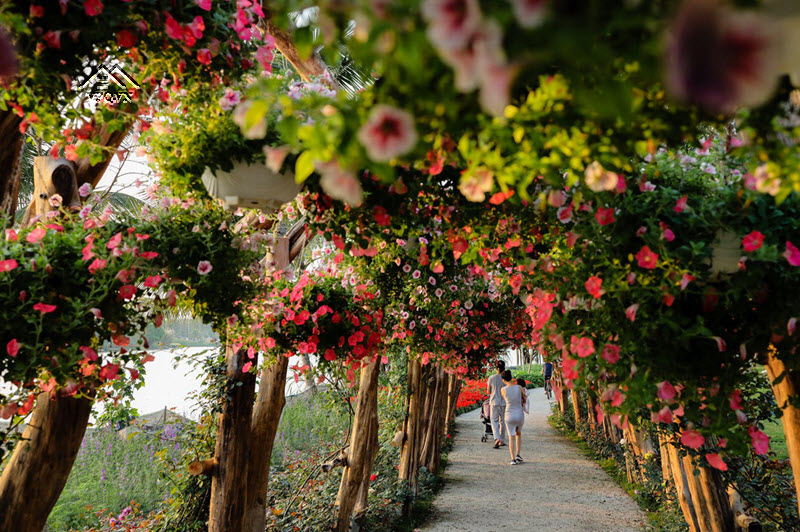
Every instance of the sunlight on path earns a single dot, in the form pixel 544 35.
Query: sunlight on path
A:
pixel 556 489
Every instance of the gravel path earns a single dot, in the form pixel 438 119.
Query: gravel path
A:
pixel 555 489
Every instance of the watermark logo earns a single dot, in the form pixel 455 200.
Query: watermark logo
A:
pixel 109 84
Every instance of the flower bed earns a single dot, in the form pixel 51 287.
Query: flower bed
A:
pixel 472 394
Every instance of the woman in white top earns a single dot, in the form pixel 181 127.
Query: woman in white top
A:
pixel 514 396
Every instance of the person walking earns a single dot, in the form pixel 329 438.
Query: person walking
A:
pixel 513 395
pixel 497 405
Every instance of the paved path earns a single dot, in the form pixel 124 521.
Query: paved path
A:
pixel 555 489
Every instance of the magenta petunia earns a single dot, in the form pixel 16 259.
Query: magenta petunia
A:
pixel 204 267
pixel 44 308
pixel 760 441
pixel 752 241
pixel 792 254
pixel 388 133
pixel 93 7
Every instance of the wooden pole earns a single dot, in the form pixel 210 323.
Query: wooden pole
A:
pixel 409 454
pixel 362 445
pixel 10 159
pixel 785 390
pixel 576 409
pixel 264 427
pixel 229 480
pixel 41 462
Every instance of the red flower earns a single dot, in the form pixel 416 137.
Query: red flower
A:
pixel 97 264
pixel 381 217
pixel 174 29
pixel 36 11
pixel 36 235
pixel 7 265
pixel 582 346
pixel 153 281
pixel 752 241
pixel 646 258
pixel 204 56
pixel 605 216
pixel 52 39
pixel 680 205
pixel 93 7
pixel 109 372
pixel 12 347
pixel 594 285
pixel 692 439
pixel 716 461
pixel 127 39
pixel 127 291
pixel 44 308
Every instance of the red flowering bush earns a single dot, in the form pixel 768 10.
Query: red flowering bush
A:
pixel 471 395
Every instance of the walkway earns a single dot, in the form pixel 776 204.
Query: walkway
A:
pixel 556 489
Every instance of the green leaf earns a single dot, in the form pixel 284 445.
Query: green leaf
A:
pixel 303 167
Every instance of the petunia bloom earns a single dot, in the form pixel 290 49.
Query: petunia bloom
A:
pixel 594 285
pixel 716 461
pixel 605 216
pixel 12 347
pixel 759 440
pixel 529 13
pixel 598 178
pixel 692 439
pixel 8 265
pixel 646 258
pixel 204 267
pixel 44 308
pixel 752 241
pixel 792 254
pixel 388 133
pixel 451 23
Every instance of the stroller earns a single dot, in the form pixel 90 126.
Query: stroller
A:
pixel 486 419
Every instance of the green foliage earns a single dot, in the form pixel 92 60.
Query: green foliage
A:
pixel 111 472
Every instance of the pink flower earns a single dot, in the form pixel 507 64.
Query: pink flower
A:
pixel 275 157
pixel 752 241
pixel 36 235
pixel 610 353
pixel 85 189
pixel 204 56
pixel 173 28
pixel 792 254
pixel 114 241
pixel 736 400
pixel 44 308
pixel 230 99
pixel 720 58
pixel 760 441
pixel 52 39
pixel 605 216
pixel 582 346
pixel 529 13
pixel 153 281
pixel 692 439
pixel 666 391
pixel 716 461
pixel 594 286
pixel 204 267
pixel 339 183
pixel 12 347
pixel 264 54
pixel 496 80
pixel 204 4
pixel 686 279
pixel 630 312
pixel 7 265
pixel 388 133
pixel 11 235
pixel 451 23
pixel 663 416
pixel 93 7
pixel 97 264
pixel 680 205
pixel 564 214
pixel 646 258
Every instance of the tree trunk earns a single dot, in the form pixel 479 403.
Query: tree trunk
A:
pixel 409 454
pixel 431 457
pixel 592 413
pixel 10 159
pixel 576 409
pixel 363 443
pixel 38 469
pixel 677 475
pixel 453 391
pixel 784 391
pixel 229 480
pixel 307 68
pixel 266 417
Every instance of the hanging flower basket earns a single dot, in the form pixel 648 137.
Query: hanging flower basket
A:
pixel 251 185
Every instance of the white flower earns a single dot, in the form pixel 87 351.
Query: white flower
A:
pixel 388 133
pixel 204 267
pixel 529 13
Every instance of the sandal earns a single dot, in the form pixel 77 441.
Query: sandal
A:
pixel 497 444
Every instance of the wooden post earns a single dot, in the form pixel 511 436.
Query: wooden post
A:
pixel 362 445
pixel 591 412
pixel 266 416
pixel 679 478
pixel 409 454
pixel 785 390
pixel 229 480
pixel 576 409
pixel 38 469
pixel 10 159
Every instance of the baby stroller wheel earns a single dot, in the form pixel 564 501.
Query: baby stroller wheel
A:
pixel 484 438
